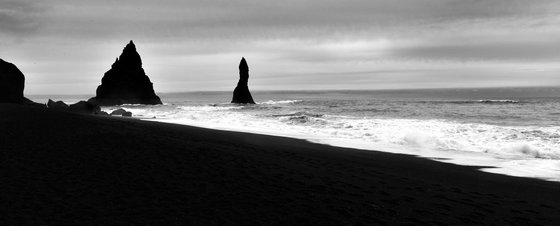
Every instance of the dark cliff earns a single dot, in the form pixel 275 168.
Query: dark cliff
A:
pixel 12 83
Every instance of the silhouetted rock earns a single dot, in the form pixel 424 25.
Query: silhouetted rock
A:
pixel 58 105
pixel 84 107
pixel 126 82
pixel 119 111
pixel 12 83
pixel 122 112
pixel 241 94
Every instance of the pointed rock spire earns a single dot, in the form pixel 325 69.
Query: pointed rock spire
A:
pixel 243 66
pixel 126 82
pixel 241 94
pixel 130 57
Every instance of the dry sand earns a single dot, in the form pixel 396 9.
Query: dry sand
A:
pixel 60 168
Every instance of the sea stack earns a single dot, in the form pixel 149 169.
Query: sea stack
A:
pixel 12 83
pixel 241 94
pixel 126 82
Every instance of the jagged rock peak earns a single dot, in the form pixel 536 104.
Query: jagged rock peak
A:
pixel 129 57
pixel 241 94
pixel 58 105
pixel 126 82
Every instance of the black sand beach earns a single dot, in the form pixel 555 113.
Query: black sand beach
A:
pixel 59 168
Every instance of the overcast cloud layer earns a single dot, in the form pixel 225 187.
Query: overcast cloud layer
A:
pixel 65 46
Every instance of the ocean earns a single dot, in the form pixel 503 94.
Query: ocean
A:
pixel 513 131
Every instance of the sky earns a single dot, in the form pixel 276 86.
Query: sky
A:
pixel 65 46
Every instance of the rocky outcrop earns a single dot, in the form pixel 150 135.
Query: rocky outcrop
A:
pixel 122 112
pixel 241 94
pixel 85 107
pixel 82 107
pixel 126 82
pixel 58 105
pixel 12 83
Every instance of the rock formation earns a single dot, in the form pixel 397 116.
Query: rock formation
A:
pixel 84 107
pixel 12 82
pixel 241 94
pixel 58 105
pixel 126 82
pixel 122 112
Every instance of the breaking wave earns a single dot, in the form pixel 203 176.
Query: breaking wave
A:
pixel 280 102
pixel 300 118
pixel 485 101
pixel 379 133
pixel 438 138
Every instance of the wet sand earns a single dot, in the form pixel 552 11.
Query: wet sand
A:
pixel 60 168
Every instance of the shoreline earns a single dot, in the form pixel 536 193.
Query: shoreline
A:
pixel 61 168
pixel 517 167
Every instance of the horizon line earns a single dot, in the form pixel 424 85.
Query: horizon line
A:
pixel 316 90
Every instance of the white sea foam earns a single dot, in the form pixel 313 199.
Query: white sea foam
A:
pixel 515 150
pixel 280 102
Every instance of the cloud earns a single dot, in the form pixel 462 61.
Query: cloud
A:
pixel 250 19
pixel 19 18
pixel 529 39
pixel 486 51
pixel 196 44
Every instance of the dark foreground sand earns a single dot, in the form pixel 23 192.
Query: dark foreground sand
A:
pixel 59 168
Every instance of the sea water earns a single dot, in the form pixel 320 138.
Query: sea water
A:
pixel 514 131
